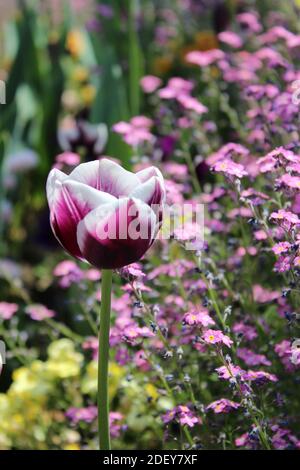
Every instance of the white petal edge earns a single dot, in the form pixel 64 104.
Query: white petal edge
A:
pixel 86 195
pixel 105 175
pixel 102 214
pixel 147 173
pixel 146 191
pixel 54 180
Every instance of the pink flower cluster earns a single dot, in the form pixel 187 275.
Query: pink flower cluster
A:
pixel 183 415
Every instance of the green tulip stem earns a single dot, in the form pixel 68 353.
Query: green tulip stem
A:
pixel 103 359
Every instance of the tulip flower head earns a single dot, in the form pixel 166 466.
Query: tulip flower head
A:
pixel 105 214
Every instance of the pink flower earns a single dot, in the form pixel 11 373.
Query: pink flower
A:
pixel 275 33
pixel 289 181
pixel 176 86
pixel 136 131
pixel 259 376
pixel 229 372
pixel 256 197
pixel 150 83
pixel 216 337
pixel 279 155
pixel 188 420
pixel 192 104
pixel 39 312
pixel 252 359
pixel 260 235
pixel 132 333
pixel 284 218
pixel 188 231
pixel 105 214
pixel 239 212
pixel 88 414
pixel 283 264
pixel 266 164
pixel 250 20
pixel 284 351
pixel 137 136
pixel 64 267
pixel 230 38
pixel 293 167
pixel 142 122
pixel 283 155
pixel 68 158
pixel 133 270
pixel 228 152
pixel 242 440
pixel 262 295
pixel 284 439
pixel 92 274
pixel 248 332
pixel 200 317
pixel 183 415
pixel 184 122
pixel 7 310
pixel 281 247
pixel 177 170
pixel 68 273
pixel 230 168
pixel 223 406
pixel 296 262
pixel 295 350
pixel 115 423
pixel 203 59
pixel 141 361
pixel 122 127
pixel 91 343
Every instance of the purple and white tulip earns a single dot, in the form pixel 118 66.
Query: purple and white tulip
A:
pixel 105 214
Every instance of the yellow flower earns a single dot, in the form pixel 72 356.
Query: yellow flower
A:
pixel 73 446
pixel 152 391
pixel 206 40
pixel 88 93
pixel 90 380
pixel 214 72
pixel 75 42
pixel 63 361
pixel 30 382
pixel 80 74
pixel 18 420
pixel 53 37
pixel 162 65
pixel 70 100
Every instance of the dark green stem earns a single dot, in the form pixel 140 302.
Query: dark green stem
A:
pixel 103 358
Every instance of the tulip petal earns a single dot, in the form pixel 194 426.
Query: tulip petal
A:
pixel 150 192
pixel 85 197
pixel 54 176
pixel 153 193
pixel 115 235
pixel 73 200
pixel 158 196
pixel 147 173
pixel 106 175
